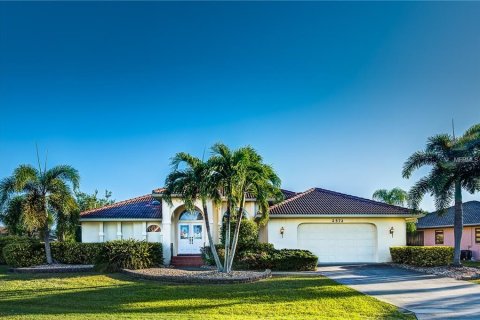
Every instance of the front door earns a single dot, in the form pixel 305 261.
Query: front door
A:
pixel 190 237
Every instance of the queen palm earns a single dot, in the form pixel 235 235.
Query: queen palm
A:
pixel 238 173
pixel 446 179
pixel 45 194
pixel 195 182
pixel 395 196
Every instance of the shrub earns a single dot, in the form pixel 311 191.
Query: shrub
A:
pixel 264 256
pixel 128 254
pixel 247 236
pixel 5 240
pixel 422 256
pixel 75 252
pixel 24 254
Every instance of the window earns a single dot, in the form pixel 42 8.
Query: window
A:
pixel 477 235
pixel 153 228
pixel 438 236
pixel 190 215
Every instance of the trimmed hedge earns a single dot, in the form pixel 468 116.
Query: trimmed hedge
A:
pixel 128 254
pixel 264 256
pixel 422 256
pixel 24 254
pixel 4 240
pixel 75 252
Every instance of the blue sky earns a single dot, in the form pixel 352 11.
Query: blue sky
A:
pixel 334 95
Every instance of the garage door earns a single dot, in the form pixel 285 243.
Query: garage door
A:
pixel 339 243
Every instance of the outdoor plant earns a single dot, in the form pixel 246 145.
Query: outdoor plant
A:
pixel 24 254
pixel 449 175
pixel 76 252
pixel 42 196
pixel 10 239
pixel 422 256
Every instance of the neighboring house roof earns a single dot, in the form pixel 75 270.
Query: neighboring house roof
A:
pixel 288 194
pixel 317 201
pixel 144 207
pixel 471 216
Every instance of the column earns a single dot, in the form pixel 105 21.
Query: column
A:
pixel 119 230
pixel 166 240
pixel 100 231
pixel 144 230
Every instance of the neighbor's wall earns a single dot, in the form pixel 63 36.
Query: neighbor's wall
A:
pixel 468 239
pixel 383 225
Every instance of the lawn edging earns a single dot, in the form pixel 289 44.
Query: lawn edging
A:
pixel 56 268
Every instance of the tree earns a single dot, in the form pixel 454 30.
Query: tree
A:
pixel 193 182
pixel 395 196
pixel 238 173
pixel 46 194
pixel 12 217
pixel 87 201
pixel 446 179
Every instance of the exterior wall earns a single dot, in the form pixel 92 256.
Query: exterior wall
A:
pixel 90 232
pixel 468 239
pixel 383 225
pixel 101 231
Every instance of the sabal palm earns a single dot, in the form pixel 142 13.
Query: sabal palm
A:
pixel 395 196
pixel 239 172
pixel 45 193
pixel 193 182
pixel 445 180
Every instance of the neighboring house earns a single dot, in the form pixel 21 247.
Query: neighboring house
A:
pixel 338 228
pixel 437 229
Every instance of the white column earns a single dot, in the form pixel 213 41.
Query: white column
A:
pixel 166 240
pixel 119 230
pixel 100 231
pixel 144 230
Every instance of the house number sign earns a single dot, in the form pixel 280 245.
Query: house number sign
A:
pixel 337 220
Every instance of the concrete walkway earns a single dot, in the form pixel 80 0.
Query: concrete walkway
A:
pixel 428 296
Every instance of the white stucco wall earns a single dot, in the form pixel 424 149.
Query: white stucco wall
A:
pixel 383 225
pixel 101 231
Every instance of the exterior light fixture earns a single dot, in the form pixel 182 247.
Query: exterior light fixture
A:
pixel 392 230
pixel 282 231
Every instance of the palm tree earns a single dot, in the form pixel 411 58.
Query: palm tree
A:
pixel 446 179
pixel 45 194
pixel 395 196
pixel 192 183
pixel 238 173
pixel 12 217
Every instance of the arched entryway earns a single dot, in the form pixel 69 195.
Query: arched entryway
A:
pixel 190 232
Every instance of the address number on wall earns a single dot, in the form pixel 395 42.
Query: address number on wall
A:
pixel 337 220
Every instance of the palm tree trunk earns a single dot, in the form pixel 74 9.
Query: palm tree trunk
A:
pixel 236 233
pixel 458 224
pixel 227 239
pixel 48 251
pixel 210 239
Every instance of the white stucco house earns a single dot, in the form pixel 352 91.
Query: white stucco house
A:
pixel 338 228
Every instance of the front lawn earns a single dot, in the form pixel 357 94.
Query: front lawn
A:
pixel 475 264
pixel 88 296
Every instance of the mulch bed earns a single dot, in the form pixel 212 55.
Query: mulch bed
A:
pixel 54 268
pixel 198 276
pixel 459 273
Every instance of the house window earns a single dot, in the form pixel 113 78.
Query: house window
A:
pixel 153 228
pixel 438 236
pixel 477 235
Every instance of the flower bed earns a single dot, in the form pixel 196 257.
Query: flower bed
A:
pixel 201 276
pixel 459 273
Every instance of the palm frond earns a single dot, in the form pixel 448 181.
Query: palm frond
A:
pixel 418 160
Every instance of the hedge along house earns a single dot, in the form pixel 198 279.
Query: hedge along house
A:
pixel 437 230
pixel 338 228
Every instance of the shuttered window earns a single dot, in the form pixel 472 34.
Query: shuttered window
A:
pixel 477 235
pixel 438 236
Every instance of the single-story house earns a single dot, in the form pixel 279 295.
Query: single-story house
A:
pixel 437 230
pixel 338 228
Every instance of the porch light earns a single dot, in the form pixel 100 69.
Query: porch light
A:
pixel 392 230
pixel 282 231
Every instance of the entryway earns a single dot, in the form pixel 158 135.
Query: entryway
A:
pixel 190 233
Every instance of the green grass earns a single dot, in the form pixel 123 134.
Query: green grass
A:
pixel 115 296
pixel 475 264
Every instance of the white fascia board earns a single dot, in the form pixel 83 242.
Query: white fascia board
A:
pixel 114 220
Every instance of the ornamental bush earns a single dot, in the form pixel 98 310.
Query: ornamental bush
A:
pixel 128 254
pixel 247 236
pixel 75 252
pixel 422 256
pixel 4 240
pixel 24 254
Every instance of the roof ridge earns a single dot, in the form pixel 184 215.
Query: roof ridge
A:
pixel 361 199
pixel 116 204
pixel 296 196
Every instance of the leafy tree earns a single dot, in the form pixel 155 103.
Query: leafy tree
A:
pixel 46 194
pixel 238 173
pixel 12 217
pixel 88 201
pixel 447 177
pixel 193 182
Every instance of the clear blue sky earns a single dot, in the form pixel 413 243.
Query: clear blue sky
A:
pixel 334 95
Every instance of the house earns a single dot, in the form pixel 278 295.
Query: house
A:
pixel 338 228
pixel 437 230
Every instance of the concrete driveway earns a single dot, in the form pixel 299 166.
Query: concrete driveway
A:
pixel 428 296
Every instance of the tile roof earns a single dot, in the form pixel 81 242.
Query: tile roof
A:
pixel 144 207
pixel 471 216
pixel 317 201
pixel 286 193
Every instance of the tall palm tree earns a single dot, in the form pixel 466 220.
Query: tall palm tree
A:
pixel 446 179
pixel 395 196
pixel 241 172
pixel 192 183
pixel 45 194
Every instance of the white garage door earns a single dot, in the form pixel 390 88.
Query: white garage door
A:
pixel 343 243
